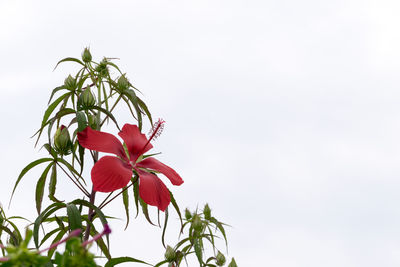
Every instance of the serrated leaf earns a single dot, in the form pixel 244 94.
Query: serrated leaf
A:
pixel 26 169
pixel 74 217
pixel 115 261
pixel 40 188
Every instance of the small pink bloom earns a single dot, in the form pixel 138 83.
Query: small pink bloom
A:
pixel 112 173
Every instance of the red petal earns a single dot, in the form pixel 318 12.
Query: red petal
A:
pixel 153 191
pixel 152 163
pixel 135 141
pixel 110 173
pixel 100 141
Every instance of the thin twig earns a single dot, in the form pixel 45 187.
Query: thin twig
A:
pixel 102 206
pixel 75 182
pixel 112 108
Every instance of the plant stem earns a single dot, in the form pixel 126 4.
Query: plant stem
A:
pixel 112 108
pixel 90 215
pixel 80 186
pixel 103 205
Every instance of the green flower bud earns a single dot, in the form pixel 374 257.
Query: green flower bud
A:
pixel 233 263
pixel 92 120
pixel 220 259
pixel 62 140
pixel 70 83
pixel 197 223
pixel 102 68
pixel 207 212
pixel 87 99
pixel 86 56
pixel 188 215
pixel 171 264
pixel 123 83
pixel 170 254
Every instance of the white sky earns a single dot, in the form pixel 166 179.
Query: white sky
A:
pixel 283 115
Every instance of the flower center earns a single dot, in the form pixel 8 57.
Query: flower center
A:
pixel 154 132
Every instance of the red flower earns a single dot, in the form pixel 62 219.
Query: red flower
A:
pixel 112 173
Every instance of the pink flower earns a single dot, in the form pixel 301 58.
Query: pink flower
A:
pixel 112 173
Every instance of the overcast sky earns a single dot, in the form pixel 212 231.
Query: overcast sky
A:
pixel 283 115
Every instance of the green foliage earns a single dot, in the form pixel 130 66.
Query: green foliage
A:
pixel 74 255
pixel 88 98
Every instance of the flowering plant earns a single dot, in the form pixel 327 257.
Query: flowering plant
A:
pixel 86 102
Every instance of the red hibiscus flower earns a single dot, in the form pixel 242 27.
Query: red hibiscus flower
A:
pixel 112 173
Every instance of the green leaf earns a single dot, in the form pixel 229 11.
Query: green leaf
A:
pixel 40 188
pixel 55 90
pixel 82 122
pixel 221 228
pixel 26 169
pixel 108 113
pixel 176 207
pixel 145 109
pixel 71 59
pixel 99 213
pixel 48 235
pixel 125 199
pixel 164 228
pixel 161 263
pixel 53 184
pixel 145 211
pixel 133 98
pixel 136 194
pixel 74 217
pixel 115 261
pixel 8 231
pixel 58 237
pixel 51 108
pixel 198 250
pixel 46 213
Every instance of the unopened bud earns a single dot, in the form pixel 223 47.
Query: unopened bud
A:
pixel 62 140
pixel 86 56
pixel 188 215
pixel 102 68
pixel 92 120
pixel 70 83
pixel 207 212
pixel 170 254
pixel 87 99
pixel 197 223
pixel 220 259
pixel 233 263
pixel 123 83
